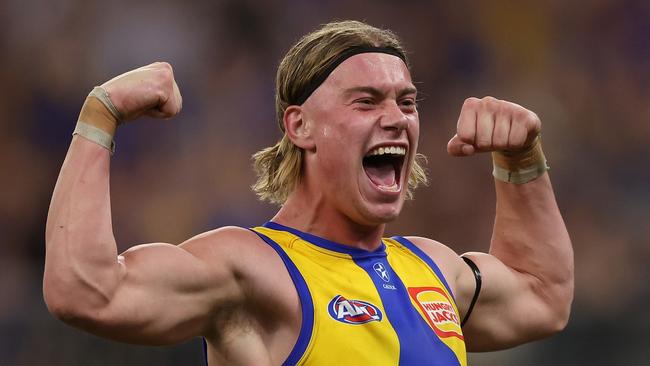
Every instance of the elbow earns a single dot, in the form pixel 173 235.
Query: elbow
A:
pixel 559 311
pixel 63 310
pixel 78 314
pixel 61 306
pixel 556 295
pixel 548 321
pixel 60 303
pixel 68 305
pixel 564 302
pixel 564 313
pixel 558 322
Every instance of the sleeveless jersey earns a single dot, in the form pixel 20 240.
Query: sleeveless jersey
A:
pixel 391 306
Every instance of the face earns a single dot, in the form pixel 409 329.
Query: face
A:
pixel 364 125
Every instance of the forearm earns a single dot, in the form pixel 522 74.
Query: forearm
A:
pixel 530 237
pixel 81 255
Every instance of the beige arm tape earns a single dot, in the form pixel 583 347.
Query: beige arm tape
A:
pixel 96 135
pixel 520 167
pixel 101 94
pixel 98 119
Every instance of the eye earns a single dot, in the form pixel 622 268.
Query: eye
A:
pixel 408 103
pixel 365 101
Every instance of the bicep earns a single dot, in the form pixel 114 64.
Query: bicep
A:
pixel 167 293
pixel 509 309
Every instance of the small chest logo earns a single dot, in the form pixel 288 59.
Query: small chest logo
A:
pixel 353 311
pixel 381 271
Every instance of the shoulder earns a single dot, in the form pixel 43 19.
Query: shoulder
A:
pixel 254 263
pixel 223 239
pixel 435 249
pixel 443 256
pixel 240 247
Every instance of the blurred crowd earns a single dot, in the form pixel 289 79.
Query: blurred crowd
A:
pixel 583 67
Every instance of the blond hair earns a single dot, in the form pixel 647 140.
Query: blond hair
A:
pixel 279 167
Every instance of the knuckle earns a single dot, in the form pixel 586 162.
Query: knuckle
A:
pixel 533 119
pixel 164 65
pixel 520 115
pixel 471 102
pixel 167 75
pixel 164 68
pixel 490 100
pixel 528 119
pixel 165 78
pixel 491 104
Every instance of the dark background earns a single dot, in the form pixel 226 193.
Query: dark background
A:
pixel 583 67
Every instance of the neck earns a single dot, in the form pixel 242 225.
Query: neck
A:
pixel 311 213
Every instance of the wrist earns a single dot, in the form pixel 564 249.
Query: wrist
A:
pixel 98 119
pixel 521 166
pixel 95 114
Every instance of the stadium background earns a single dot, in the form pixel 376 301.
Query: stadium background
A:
pixel 582 66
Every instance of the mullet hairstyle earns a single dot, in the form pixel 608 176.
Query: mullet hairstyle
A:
pixel 279 167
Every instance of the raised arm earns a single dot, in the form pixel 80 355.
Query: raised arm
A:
pixel 151 294
pixel 528 274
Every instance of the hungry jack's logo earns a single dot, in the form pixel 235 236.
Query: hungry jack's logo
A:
pixel 353 311
pixel 438 311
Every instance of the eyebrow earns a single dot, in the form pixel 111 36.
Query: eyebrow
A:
pixel 376 92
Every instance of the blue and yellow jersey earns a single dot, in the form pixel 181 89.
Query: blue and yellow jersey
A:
pixel 391 306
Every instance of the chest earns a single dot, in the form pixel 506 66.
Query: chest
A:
pixel 385 309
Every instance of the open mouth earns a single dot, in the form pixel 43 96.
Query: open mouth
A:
pixel 383 166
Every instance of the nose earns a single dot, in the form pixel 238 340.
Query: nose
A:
pixel 393 118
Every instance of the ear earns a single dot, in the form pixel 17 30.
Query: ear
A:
pixel 298 128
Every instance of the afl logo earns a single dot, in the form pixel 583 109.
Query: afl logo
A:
pixel 353 311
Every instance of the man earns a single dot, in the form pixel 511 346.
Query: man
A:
pixel 318 284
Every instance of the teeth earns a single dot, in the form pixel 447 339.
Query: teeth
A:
pixel 395 150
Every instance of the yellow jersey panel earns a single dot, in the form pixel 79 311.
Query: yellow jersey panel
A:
pixel 390 306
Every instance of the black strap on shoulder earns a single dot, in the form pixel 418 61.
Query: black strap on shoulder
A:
pixel 205 350
pixel 477 291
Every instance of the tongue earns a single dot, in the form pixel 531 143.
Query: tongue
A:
pixel 381 174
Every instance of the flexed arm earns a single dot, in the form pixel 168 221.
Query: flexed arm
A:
pixel 528 273
pixel 154 293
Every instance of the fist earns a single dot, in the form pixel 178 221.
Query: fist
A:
pixel 490 124
pixel 149 90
